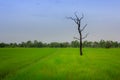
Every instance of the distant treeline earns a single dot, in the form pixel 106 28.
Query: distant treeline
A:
pixel 74 44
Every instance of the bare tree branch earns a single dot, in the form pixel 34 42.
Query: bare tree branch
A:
pixel 76 16
pixel 83 27
pixel 85 36
pixel 82 17
pixel 76 38
pixel 74 19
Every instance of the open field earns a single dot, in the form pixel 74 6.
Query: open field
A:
pixel 59 63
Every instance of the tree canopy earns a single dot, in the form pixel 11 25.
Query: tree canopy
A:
pixel 74 44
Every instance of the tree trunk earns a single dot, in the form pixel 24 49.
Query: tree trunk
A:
pixel 81 45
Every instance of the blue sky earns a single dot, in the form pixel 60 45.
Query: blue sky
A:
pixel 45 20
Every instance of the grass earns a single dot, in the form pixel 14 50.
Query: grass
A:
pixel 59 63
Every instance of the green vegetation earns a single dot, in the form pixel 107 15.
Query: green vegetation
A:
pixel 72 44
pixel 59 63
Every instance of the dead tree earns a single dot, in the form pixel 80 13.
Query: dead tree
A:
pixel 77 21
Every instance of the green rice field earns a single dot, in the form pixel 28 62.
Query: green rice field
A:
pixel 59 64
